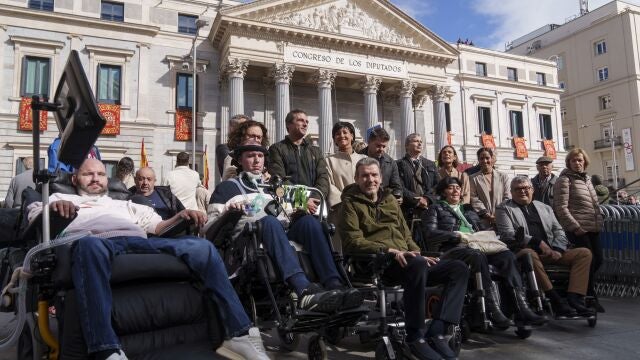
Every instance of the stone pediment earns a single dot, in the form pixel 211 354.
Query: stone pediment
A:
pixel 373 20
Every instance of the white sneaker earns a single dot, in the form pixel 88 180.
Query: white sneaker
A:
pixel 119 355
pixel 248 347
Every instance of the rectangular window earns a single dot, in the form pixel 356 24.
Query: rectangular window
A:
pixel 184 91
pixel 546 128
pixel 603 74
pixel 35 76
pixel 109 80
pixel 606 132
pixel 541 79
pixel 112 11
pixel 512 74
pixel 481 69
pixel 559 62
pixel 561 85
pixel 604 102
pixel 447 115
pixel 565 138
pixel 484 120
pixel 517 125
pixel 563 114
pixel 46 5
pixel 600 47
pixel 187 24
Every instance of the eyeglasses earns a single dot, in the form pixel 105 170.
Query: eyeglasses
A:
pixel 522 189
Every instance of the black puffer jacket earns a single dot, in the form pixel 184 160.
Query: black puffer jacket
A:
pixel 439 223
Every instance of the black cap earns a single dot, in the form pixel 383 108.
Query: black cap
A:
pixel 544 159
pixel 249 146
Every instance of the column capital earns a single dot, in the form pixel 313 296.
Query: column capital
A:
pixel 419 101
pixel 325 78
pixel 439 92
pixel 407 87
pixel 235 68
pixel 282 72
pixel 370 84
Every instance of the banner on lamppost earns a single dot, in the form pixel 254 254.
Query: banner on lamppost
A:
pixel 628 149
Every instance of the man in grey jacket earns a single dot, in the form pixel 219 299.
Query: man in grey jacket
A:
pixel 530 226
pixel 19 183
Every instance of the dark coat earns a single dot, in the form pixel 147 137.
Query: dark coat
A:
pixel 304 164
pixel 543 193
pixel 172 202
pixel 389 172
pixel 407 174
pixel 439 223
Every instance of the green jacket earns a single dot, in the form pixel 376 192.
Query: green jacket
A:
pixel 368 227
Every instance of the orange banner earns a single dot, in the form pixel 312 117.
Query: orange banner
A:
pixel 143 156
pixel 449 138
pixel 183 125
pixel 549 149
pixel 111 113
pixel 205 165
pixel 25 116
pixel 521 147
pixel 488 141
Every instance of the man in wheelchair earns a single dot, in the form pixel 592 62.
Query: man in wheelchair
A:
pixel 530 226
pixel 118 227
pixel 244 193
pixel 372 223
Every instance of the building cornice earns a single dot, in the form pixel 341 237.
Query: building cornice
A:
pixel 70 19
pixel 57 45
pixel 508 83
pixel 466 50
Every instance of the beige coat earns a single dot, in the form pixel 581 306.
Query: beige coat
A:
pixel 342 169
pixel 479 192
pixel 575 202
pixel 464 179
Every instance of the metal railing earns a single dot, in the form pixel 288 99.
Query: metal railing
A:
pixel 620 239
pixel 606 143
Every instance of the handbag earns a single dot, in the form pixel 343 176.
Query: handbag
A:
pixel 486 242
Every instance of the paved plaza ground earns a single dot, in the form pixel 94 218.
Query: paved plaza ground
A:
pixel 616 336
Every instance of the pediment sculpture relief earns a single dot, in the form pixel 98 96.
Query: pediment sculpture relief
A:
pixel 344 18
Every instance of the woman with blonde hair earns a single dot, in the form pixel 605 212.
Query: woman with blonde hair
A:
pixel 575 203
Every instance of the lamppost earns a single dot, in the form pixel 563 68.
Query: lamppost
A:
pixel 194 69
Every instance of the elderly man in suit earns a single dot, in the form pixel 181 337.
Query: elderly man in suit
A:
pixel 530 226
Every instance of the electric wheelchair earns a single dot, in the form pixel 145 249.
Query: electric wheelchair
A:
pixel 270 303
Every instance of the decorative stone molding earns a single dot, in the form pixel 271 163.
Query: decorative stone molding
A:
pixel 324 78
pixel 371 84
pixel 345 19
pixel 282 72
pixel 419 101
pixel 236 68
pixel 439 93
pixel 407 88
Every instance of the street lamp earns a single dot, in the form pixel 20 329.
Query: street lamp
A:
pixel 194 111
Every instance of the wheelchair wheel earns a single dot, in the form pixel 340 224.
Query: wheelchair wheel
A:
pixel 383 354
pixel 288 340
pixel 334 335
pixel 317 349
pixel 523 333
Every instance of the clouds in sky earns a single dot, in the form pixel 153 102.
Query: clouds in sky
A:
pixel 509 19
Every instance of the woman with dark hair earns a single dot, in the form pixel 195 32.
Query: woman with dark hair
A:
pixel 488 187
pixel 248 130
pixel 448 167
pixel 575 203
pixel 124 171
pixel 443 225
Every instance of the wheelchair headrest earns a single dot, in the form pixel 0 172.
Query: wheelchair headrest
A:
pixel 62 184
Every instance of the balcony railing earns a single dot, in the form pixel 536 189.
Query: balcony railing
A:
pixel 606 143
pixel 621 182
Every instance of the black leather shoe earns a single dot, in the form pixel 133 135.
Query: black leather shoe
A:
pixel 441 345
pixel 494 313
pixel 562 309
pixel 524 312
pixel 576 301
pixel 422 351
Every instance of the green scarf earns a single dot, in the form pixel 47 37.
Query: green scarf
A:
pixel 465 226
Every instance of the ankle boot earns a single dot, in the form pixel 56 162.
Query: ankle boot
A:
pixel 576 301
pixel 494 313
pixel 524 312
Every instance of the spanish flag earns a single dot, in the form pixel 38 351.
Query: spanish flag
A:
pixel 205 165
pixel 143 156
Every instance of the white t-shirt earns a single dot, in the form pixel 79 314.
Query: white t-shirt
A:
pixel 105 217
pixel 183 183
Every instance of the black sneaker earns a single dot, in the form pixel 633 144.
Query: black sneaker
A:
pixel 422 351
pixel 352 299
pixel 441 345
pixel 323 301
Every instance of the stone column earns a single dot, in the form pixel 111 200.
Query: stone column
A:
pixel 418 115
pixel 224 108
pixel 406 109
pixel 370 85
pixel 143 82
pixel 439 95
pixel 236 70
pixel 325 79
pixel 282 74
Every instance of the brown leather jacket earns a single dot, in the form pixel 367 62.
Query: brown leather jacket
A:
pixel 575 202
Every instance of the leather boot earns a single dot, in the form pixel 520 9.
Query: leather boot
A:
pixel 494 313
pixel 524 312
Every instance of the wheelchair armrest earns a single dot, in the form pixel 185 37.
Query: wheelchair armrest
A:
pixel 222 228
pixel 57 224
pixel 377 263
pixel 179 227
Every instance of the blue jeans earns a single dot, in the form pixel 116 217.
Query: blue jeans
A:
pixel 91 272
pixel 306 231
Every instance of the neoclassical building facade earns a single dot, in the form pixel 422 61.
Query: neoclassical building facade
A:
pixel 365 62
